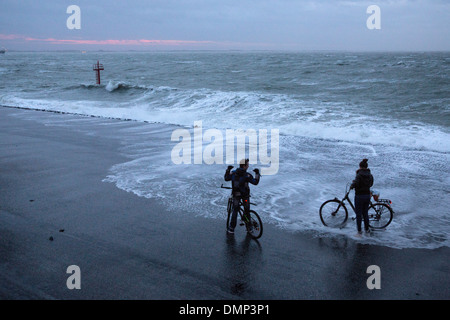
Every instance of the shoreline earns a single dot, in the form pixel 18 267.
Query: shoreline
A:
pixel 130 247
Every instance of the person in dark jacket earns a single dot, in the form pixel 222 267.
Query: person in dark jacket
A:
pixel 240 179
pixel 362 183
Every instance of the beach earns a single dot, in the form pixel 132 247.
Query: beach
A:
pixel 57 210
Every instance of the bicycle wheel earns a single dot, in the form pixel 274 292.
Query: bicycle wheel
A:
pixel 254 226
pixel 380 215
pixel 333 213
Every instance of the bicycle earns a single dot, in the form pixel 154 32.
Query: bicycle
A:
pixel 254 224
pixel 333 213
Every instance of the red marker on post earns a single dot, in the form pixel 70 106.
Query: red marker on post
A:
pixel 97 68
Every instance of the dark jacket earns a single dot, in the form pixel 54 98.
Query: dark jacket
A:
pixel 240 179
pixel 363 181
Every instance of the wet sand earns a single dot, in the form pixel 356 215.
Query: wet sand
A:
pixel 55 211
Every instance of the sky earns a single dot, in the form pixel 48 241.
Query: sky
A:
pixel 405 25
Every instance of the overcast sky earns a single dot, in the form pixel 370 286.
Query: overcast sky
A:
pixel 225 24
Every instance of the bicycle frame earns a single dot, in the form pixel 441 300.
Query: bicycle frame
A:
pixel 251 219
pixel 346 197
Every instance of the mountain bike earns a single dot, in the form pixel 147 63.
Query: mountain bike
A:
pixel 333 213
pixel 252 222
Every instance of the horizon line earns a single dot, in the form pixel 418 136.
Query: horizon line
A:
pixel 143 45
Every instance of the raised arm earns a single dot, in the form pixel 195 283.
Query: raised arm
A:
pixel 254 180
pixel 227 175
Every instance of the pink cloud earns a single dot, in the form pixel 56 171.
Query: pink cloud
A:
pixel 10 36
pixel 118 42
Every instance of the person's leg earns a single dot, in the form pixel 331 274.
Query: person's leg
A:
pixel 365 211
pixel 234 214
pixel 358 211
pixel 246 202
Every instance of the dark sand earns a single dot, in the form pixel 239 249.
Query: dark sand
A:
pixel 129 247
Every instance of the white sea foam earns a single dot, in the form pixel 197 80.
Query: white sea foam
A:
pixel 253 110
pixel 423 137
pixel 111 86
pixel 308 176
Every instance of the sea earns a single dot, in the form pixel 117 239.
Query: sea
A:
pixel 331 110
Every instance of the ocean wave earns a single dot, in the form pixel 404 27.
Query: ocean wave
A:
pixel 222 110
pixel 112 86
pixel 415 137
